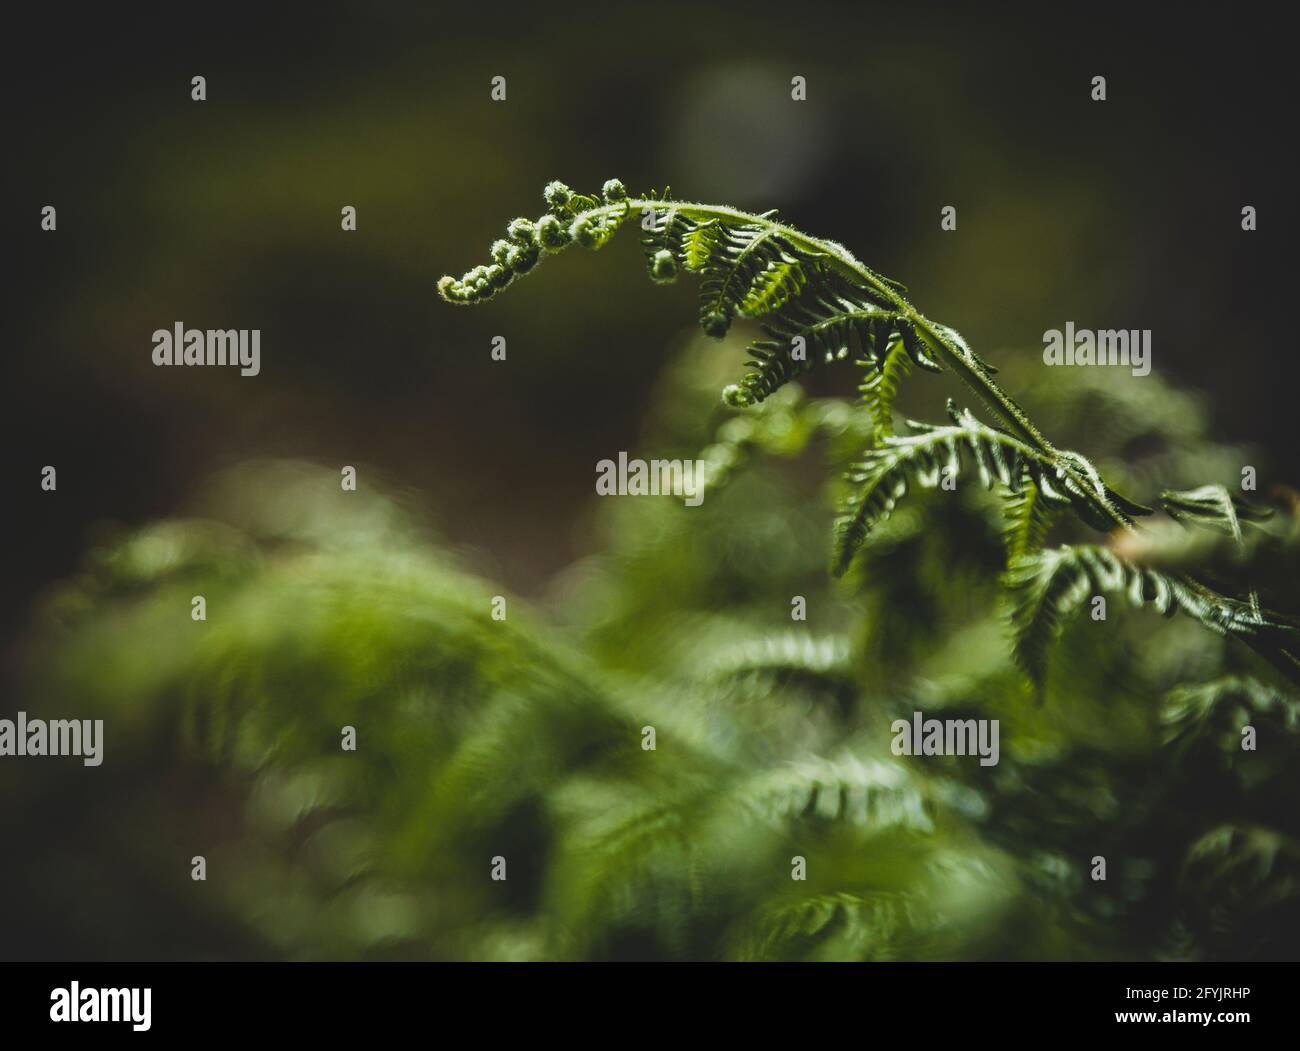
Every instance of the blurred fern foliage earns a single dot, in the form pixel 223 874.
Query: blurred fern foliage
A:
pixel 523 738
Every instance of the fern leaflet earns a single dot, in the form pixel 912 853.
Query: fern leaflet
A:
pixel 1053 585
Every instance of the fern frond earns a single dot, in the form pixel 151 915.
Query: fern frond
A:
pixel 872 925
pixel 565 204
pixel 898 903
pixel 752 265
pixel 880 387
pixel 1213 507
pixel 871 794
pixel 789 654
pixel 1029 518
pixel 1053 585
pixel 593 230
pixel 775 286
pixel 925 457
pixel 698 244
pixel 811 329
pixel 1223 706
pixel 750 262
pixel 751 270
pixel 797 285
pixel 1240 886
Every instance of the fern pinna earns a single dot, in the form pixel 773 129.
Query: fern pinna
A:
pixel 814 301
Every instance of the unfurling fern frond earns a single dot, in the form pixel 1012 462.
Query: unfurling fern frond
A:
pixel 596 230
pixel 1213 507
pixel 815 301
pixel 1051 586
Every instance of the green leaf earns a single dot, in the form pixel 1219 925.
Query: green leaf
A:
pixel 1213 507
pixel 1053 585
pixel 925 458
pixel 880 387
pixel 773 287
pixel 1029 518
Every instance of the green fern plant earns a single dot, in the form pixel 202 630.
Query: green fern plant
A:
pixel 815 301
pixel 521 738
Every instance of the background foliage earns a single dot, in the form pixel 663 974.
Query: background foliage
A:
pixel 522 738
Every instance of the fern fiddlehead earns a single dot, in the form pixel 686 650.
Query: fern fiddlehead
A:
pixel 814 300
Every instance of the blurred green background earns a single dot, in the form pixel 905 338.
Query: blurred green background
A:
pixel 477 479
